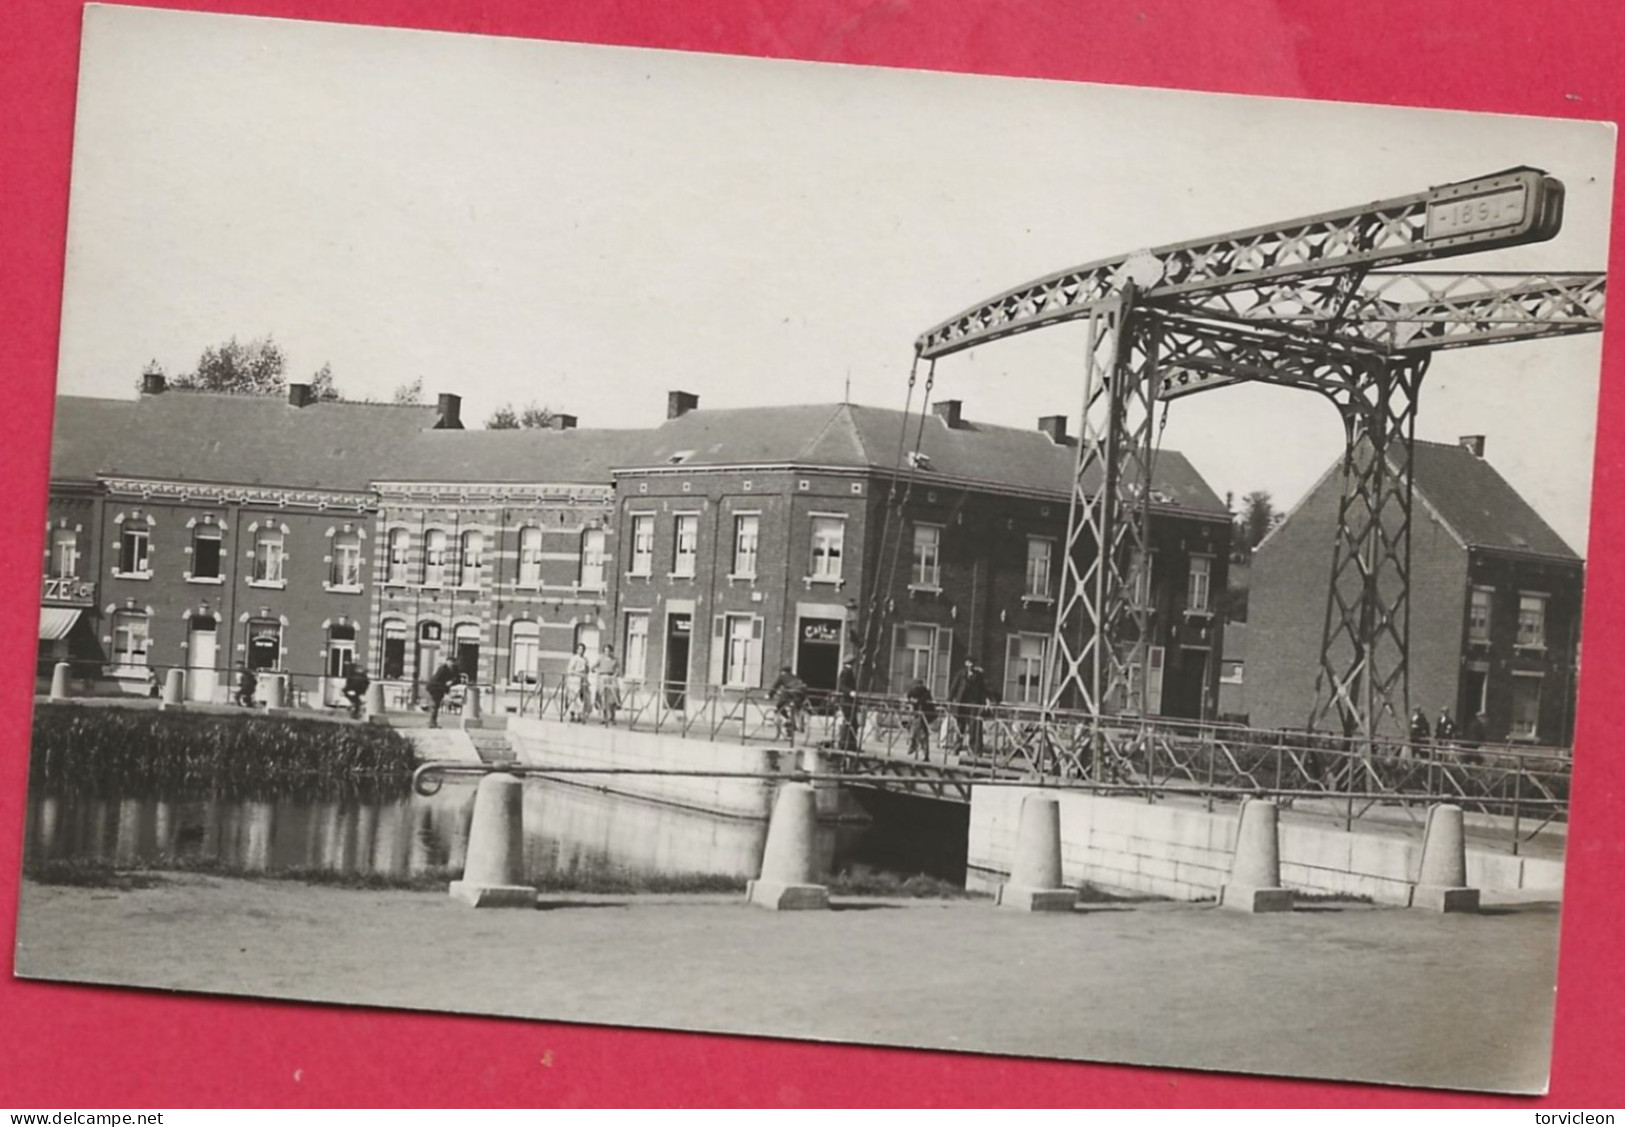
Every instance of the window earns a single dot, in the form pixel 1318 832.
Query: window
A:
pixel 206 551
pixel 637 644
pixel 747 531
pixel 1024 668
pixel 920 652
pixel 345 570
pixel 592 559
pixel 530 557
pixel 130 640
pixel 470 558
pixel 828 543
pixel 1038 556
pixel 686 544
pixel 927 565
pixel 64 562
pixel 525 653
pixel 264 643
pixel 465 638
pixel 434 558
pixel 743 664
pixel 1139 577
pixel 643 544
pixel 1525 706
pixel 1199 585
pixel 1532 622
pixel 400 545
pixel 132 551
pixel 268 555
pixel 1478 615
pixel 394 664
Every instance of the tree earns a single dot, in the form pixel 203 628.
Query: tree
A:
pixel 408 394
pixel 1257 517
pixel 321 384
pixel 532 416
pixel 256 368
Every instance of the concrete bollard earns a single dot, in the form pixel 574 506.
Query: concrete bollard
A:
pixel 174 689
pixel 276 690
pixel 1035 877
pixel 788 868
pixel 494 866
pixel 471 706
pixel 1441 886
pixel 59 681
pixel 374 701
pixel 1255 869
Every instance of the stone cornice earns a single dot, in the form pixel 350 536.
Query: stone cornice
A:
pixel 476 493
pixel 205 493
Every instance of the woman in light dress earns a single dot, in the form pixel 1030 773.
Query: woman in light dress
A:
pixel 578 685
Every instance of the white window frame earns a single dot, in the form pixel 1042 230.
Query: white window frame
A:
pixel 470 558
pixel 747 544
pixel 207 531
pixel 135 534
pixel 742 659
pixel 131 646
pixel 1532 732
pixel 530 556
pixel 270 558
pixel 933 639
pixel 642 563
pixel 592 576
pixel 1040 568
pixel 1024 673
pixel 398 557
pixel 524 652
pixel 346 546
pixel 636 646
pixel 685 545
pixel 925 558
pixel 1540 601
pixel 63 564
pixel 1473 633
pixel 436 543
pixel 828 548
pixel 1199 585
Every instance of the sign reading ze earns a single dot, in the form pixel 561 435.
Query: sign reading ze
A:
pixel 76 592
pixel 1489 212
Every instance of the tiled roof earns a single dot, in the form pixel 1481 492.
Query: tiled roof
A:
pixel 86 434
pixel 237 439
pixel 509 456
pixel 853 437
pixel 1479 504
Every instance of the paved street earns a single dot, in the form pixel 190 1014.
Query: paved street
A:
pixel 1331 990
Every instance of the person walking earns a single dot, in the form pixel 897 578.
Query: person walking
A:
pixel 608 675
pixel 1444 732
pixel 1421 734
pixel 846 693
pixel 577 685
pixel 439 685
pixel 969 695
pixel 247 685
pixel 922 714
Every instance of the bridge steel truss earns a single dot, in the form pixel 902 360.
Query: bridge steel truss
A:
pixel 1314 304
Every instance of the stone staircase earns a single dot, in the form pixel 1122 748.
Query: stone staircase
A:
pixel 443 743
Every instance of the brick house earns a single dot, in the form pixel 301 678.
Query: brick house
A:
pixel 213 531
pixel 1494 608
pixel 492 547
pixel 759 537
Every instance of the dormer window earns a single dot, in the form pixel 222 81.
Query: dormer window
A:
pixel 919 460
pixel 679 458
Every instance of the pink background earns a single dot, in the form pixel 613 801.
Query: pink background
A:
pixel 67 1046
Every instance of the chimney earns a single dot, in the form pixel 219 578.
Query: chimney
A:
pixel 152 383
pixel 948 411
pixel 1055 427
pixel 680 403
pixel 1473 444
pixel 562 422
pixel 451 412
pixel 299 395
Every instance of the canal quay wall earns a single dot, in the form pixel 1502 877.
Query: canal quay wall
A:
pixel 1183 852
pixel 555 743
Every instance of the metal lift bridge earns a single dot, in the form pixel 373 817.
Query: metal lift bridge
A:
pixel 1315 303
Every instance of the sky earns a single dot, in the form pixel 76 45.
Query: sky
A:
pixel 592 227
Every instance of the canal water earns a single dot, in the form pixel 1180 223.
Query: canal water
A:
pixel 571 834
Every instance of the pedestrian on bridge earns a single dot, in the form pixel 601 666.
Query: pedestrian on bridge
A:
pixel 846 693
pixel 922 714
pixel 1421 734
pixel 969 696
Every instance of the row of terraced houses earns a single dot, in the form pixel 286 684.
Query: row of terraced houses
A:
pixel 296 536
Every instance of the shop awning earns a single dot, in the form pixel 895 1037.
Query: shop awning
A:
pixel 55 622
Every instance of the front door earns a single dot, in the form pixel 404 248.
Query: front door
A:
pixel 679 629
pixel 340 654
pixel 201 654
pixel 818 652
pixel 1185 684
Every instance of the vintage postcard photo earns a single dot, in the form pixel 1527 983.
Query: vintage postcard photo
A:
pixel 873 556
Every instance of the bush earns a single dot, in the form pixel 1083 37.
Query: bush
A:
pixel 117 747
